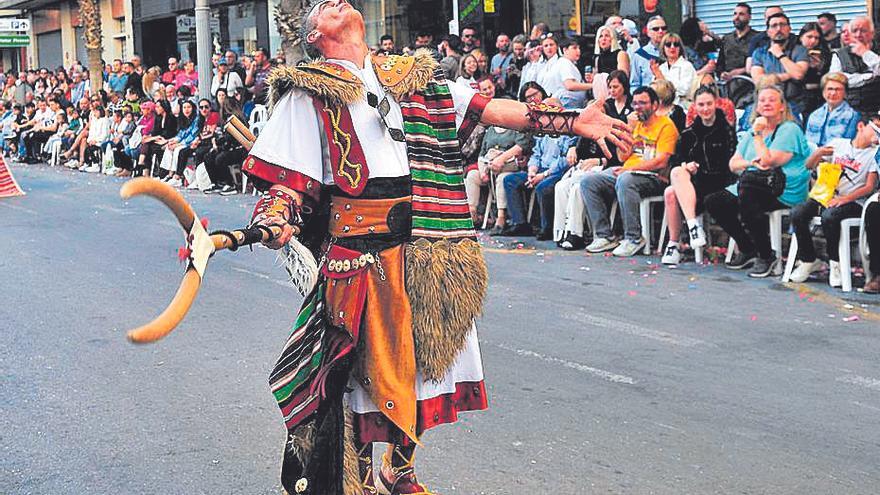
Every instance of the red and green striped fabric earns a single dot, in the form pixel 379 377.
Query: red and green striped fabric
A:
pixel 439 204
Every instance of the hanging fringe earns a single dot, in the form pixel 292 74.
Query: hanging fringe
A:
pixel 446 283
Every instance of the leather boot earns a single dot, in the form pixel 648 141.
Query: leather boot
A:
pixel 397 475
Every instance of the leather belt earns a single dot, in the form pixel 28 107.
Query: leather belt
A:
pixel 351 217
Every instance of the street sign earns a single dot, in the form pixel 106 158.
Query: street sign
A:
pixel 14 40
pixel 15 25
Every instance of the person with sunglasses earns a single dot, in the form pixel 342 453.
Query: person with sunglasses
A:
pixel 470 39
pixel 857 159
pixel 372 145
pixel 676 69
pixel 641 73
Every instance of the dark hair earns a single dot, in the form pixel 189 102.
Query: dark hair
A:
pixel 531 85
pixel 264 51
pixel 454 42
pixel 129 64
pixel 827 15
pixel 471 27
pixel 184 91
pixel 421 33
pixel 166 107
pixel 778 14
pixel 210 106
pixel 745 6
pixel 622 78
pixel 705 90
pixel 645 90
pixel 567 43
pixel 690 32
pixel 386 37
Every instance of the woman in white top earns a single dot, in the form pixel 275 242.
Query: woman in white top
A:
pixel 532 68
pixel 676 69
pixel 469 71
pixel 550 53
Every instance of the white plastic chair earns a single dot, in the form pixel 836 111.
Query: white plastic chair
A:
pixel 698 252
pixel 645 219
pixel 844 250
pixel 775 239
pixel 259 114
pixel 257 127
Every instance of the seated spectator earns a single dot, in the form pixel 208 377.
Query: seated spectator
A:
pixel 872 230
pixel 123 128
pixel 835 118
pixel 642 174
pixel 569 209
pixel 563 79
pixel 170 76
pixel 641 73
pixel 697 45
pixel 608 55
pixel 703 152
pixel 819 61
pixel 667 108
pixel 152 81
pixel 469 72
pixel 188 77
pixel 21 124
pixel 177 149
pixel 60 130
pixel 856 157
pixel 858 59
pixel 675 69
pixel 164 129
pixel 142 130
pixel 721 103
pixel 777 143
pixel 205 142
pixel 42 125
pixel 99 135
pixel 785 58
pixel 499 154
pixel 226 152
pixel 546 166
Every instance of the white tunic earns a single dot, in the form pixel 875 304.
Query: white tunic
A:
pixel 293 137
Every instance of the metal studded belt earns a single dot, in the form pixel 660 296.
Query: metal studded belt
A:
pixel 351 217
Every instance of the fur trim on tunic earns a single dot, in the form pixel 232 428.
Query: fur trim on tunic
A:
pixel 446 283
pixel 315 81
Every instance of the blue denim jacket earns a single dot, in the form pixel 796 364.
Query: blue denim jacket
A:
pixel 824 125
pixel 186 136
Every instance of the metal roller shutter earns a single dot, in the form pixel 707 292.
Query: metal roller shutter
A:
pixel 49 50
pixel 718 13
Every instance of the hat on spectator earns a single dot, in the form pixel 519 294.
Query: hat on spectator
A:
pixel 630 26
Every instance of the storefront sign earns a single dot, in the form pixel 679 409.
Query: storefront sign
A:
pixel 15 25
pixel 14 40
pixel 489 6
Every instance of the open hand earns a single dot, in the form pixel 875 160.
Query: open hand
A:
pixel 592 123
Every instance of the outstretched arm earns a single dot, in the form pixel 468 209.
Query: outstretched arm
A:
pixel 590 123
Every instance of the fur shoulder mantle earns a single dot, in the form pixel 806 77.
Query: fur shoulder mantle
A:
pixel 336 86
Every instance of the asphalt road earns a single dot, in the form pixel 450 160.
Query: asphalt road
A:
pixel 605 375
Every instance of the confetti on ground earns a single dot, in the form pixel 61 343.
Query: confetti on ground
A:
pixel 585 268
pixel 851 318
pixel 692 286
pixel 632 293
pixel 692 279
pixel 848 306
pixel 812 299
pixel 754 318
pixel 633 262
pixel 802 295
pixel 832 316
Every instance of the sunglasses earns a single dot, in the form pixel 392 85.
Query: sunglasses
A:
pixel 204 107
pixel 670 44
pixel 545 36
pixel 658 28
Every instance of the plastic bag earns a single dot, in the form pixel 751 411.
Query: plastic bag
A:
pixel 826 183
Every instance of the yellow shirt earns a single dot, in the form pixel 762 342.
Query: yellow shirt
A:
pixel 658 136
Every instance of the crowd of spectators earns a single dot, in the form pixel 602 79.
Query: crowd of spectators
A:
pixel 733 126
pixel 144 120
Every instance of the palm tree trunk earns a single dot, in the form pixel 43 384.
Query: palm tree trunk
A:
pixel 91 19
pixel 287 18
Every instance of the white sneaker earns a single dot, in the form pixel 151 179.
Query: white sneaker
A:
pixel 110 171
pixel 74 163
pixel 698 236
pixel 193 185
pixel 95 168
pixel 672 256
pixel 803 270
pixel 628 248
pixel 601 244
pixel 834 274
pixel 83 167
pixel 175 182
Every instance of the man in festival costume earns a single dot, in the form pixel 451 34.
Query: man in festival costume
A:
pixel 362 158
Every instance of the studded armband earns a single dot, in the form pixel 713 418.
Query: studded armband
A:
pixel 280 204
pixel 550 120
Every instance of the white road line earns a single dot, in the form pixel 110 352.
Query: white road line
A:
pixel 872 383
pixel 636 330
pixel 282 283
pixel 605 375
pixel 18 208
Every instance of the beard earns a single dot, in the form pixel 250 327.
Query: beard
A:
pixel 740 25
pixel 643 116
